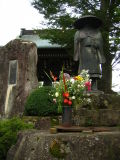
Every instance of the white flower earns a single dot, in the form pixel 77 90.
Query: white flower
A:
pixel 56 94
pixel 73 97
pixel 54 84
pixel 72 80
pixel 82 85
pixel 88 100
pixel 54 100
pixel 78 86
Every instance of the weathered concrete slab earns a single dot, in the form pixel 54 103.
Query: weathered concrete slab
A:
pixel 35 145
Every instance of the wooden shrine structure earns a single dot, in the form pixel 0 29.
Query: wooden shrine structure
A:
pixel 51 57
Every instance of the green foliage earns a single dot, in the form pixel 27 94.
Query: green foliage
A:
pixel 62 14
pixel 54 121
pixel 8 134
pixel 64 37
pixel 55 151
pixel 39 103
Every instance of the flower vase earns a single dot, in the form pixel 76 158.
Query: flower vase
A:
pixel 67 116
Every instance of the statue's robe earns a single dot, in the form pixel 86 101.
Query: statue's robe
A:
pixel 88 50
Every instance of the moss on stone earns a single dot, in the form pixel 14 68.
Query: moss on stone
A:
pixel 55 150
pixel 59 149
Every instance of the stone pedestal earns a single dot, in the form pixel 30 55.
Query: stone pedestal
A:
pixel 102 110
pixel 85 143
pixel 100 117
pixel 37 145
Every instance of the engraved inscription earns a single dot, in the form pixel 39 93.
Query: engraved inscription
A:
pixel 12 72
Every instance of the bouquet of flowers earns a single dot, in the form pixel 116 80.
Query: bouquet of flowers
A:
pixel 70 91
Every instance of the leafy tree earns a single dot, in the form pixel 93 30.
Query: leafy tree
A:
pixel 61 14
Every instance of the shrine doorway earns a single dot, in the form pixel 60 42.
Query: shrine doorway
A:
pixel 52 59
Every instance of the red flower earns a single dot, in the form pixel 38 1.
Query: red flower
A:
pixel 69 102
pixel 53 77
pixel 66 94
pixel 88 85
pixel 64 82
pixel 65 101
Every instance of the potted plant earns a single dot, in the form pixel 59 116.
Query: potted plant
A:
pixel 69 92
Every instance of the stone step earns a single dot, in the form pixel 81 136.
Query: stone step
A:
pixel 60 128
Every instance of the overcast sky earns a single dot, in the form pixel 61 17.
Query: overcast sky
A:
pixel 17 14
pixel 14 15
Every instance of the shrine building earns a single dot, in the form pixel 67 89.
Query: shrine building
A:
pixel 51 57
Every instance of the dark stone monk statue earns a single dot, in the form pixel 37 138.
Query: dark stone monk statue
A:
pixel 88 47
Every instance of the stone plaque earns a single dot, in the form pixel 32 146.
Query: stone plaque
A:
pixel 12 72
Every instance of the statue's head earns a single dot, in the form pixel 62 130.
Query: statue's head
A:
pixel 88 20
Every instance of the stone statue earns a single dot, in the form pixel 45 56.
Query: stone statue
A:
pixel 88 47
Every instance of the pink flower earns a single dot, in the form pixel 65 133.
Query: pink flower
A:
pixel 88 85
pixel 67 76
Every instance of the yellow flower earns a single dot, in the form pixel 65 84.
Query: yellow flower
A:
pixel 79 78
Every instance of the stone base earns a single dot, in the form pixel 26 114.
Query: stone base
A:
pixel 94 92
pixel 37 145
pixel 98 117
pixel 102 110
pixel 60 128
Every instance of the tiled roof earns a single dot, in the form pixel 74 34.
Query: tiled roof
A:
pixel 29 35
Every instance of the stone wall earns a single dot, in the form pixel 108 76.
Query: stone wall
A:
pixel 100 117
pixel 18 65
pixel 37 145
